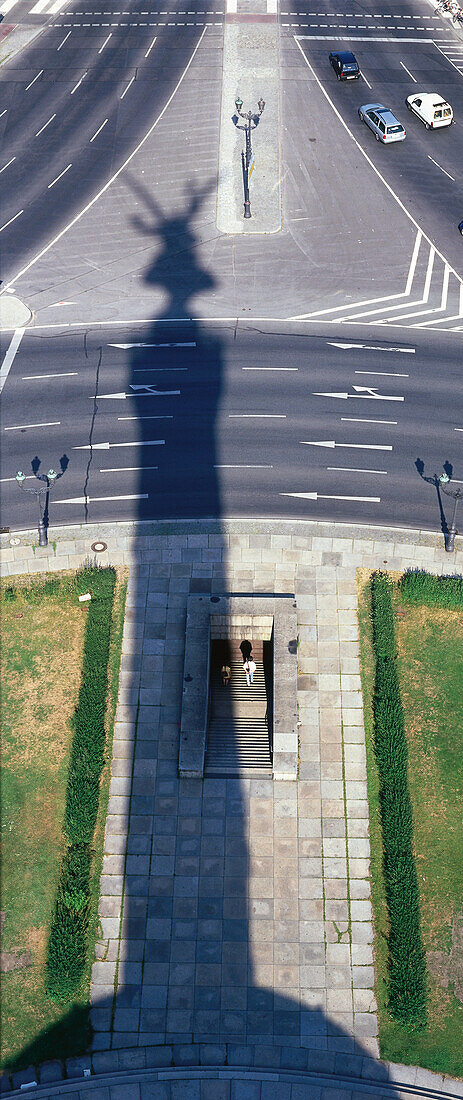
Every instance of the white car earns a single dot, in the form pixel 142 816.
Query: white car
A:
pixel 431 109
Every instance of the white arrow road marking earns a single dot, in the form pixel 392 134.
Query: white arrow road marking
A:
pixel 325 496
pixel 370 347
pixel 183 344
pixel 109 446
pixel 88 500
pixel 365 392
pixel 149 392
pixel 359 446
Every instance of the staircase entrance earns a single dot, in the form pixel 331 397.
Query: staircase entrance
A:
pixel 239 733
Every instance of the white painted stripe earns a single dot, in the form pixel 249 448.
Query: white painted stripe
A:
pixel 166 417
pixel 31 477
pixel 357 38
pixel 272 7
pixel 4 112
pixel 98 131
pixel 7 165
pixel 125 469
pixel 271 368
pixel 63 173
pixel 105 42
pixel 176 344
pixel 382 373
pixel 409 73
pixel 34 80
pixel 7 6
pixel 5 226
pixel 329 496
pixel 63 374
pixel 441 168
pixel 445 287
pixel 150 47
pixel 112 179
pixel 151 370
pixel 127 88
pixel 355 446
pixel 89 500
pixel 413 262
pixel 38 7
pixel 366 81
pixel 64 40
pixel 236 466
pixel 54 7
pixel 9 355
pixel 79 82
pixel 45 125
pixel 366 420
pixel 257 416
pixel 352 470
pixel 19 427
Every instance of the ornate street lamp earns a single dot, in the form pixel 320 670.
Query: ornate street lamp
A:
pixel 246 158
pixel 47 481
pixel 456 494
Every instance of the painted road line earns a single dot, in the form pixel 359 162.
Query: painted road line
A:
pixel 151 370
pixel 9 356
pixel 358 446
pixel 150 47
pixel 88 500
pixel 352 470
pixel 124 469
pixel 64 374
pixel 257 416
pixel 367 394
pixel 98 131
pixel 160 417
pixel 413 263
pixel 105 43
pixel 58 48
pixel 129 85
pixel 4 112
pixel 370 347
pixel 441 168
pixel 7 165
pixel 29 477
pixel 45 125
pixel 271 368
pixel 365 420
pixel 109 446
pixel 365 79
pixel 237 466
pixel 382 373
pixel 34 80
pixel 5 226
pixel 122 396
pixel 179 344
pixel 88 206
pixel 39 7
pixel 22 427
pixel 63 173
pixel 329 496
pixel 79 82
pixel 409 73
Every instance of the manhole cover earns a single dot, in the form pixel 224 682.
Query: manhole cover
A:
pixel 15 542
pixel 98 547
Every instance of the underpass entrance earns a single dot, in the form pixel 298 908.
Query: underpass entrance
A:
pixel 240 720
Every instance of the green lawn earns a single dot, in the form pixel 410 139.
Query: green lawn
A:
pixel 430 649
pixel 41 668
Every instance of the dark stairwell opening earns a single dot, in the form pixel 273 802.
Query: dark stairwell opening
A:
pixel 240 720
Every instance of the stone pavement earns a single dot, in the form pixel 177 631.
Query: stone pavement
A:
pixel 237 911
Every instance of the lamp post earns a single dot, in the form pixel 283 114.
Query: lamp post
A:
pixel 246 158
pixel 48 480
pixel 456 494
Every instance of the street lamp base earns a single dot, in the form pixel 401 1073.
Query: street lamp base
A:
pixel 43 540
pixel 450 541
pixel 247 209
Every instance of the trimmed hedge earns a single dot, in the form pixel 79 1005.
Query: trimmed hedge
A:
pixel 407 966
pixel 419 587
pixel 68 937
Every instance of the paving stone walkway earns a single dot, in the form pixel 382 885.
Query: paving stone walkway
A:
pixel 238 911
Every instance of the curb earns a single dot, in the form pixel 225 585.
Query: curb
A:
pixel 230 1062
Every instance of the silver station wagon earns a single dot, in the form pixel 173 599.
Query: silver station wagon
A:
pixel 386 127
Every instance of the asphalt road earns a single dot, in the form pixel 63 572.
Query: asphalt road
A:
pixel 243 419
pixel 73 106
pixel 241 423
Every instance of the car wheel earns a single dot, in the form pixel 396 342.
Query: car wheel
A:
pixel 461 228
pixel 408 105
pixel 377 137
pixel 360 116
pixel 338 75
pixel 427 125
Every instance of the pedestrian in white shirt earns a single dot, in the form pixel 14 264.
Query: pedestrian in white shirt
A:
pixel 249 670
